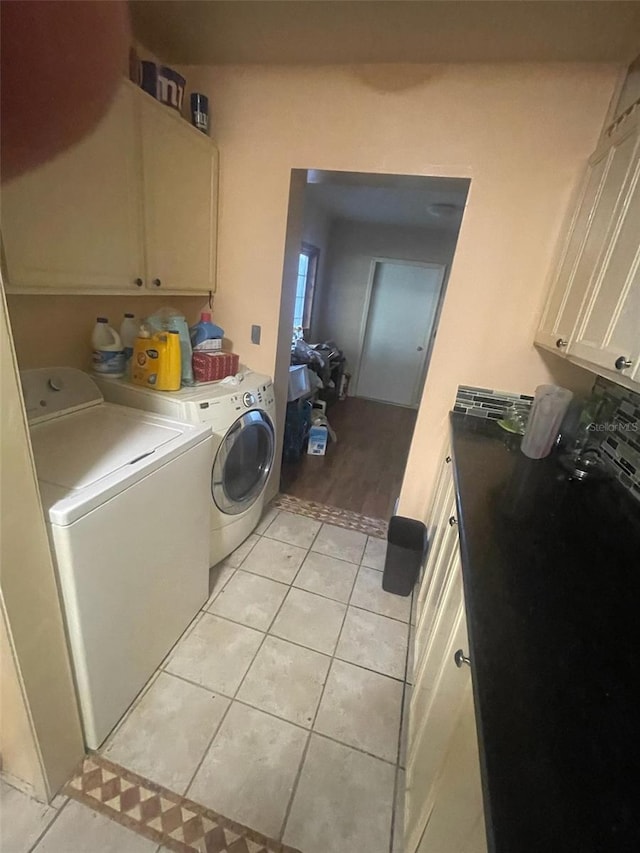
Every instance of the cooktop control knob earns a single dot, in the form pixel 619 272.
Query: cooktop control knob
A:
pixel 248 399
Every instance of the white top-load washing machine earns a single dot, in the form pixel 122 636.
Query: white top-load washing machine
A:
pixel 125 504
pixel 241 412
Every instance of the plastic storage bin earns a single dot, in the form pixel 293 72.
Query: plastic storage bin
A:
pixel 296 429
pixel 299 382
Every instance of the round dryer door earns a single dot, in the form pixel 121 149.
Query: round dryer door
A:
pixel 243 462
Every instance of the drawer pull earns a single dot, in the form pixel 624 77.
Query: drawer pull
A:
pixel 453 521
pixel 460 659
pixel 622 363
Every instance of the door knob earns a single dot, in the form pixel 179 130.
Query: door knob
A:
pixel 460 659
pixel 622 363
pixel 419 349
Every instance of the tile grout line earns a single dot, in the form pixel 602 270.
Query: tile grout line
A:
pixel 275 716
pixel 239 687
pixel 123 719
pixel 294 789
pixel 57 814
pixel 312 591
pixel 396 783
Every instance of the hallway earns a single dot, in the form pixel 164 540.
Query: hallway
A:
pixel 363 470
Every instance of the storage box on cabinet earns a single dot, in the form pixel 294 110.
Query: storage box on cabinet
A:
pixel 129 209
pixel 443 769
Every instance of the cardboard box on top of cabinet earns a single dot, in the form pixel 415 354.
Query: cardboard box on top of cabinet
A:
pixel 318 439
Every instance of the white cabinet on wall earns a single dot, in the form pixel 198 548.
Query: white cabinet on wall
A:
pixel 129 209
pixel 75 223
pixel 180 201
pixel 609 334
pixel 444 807
pixel 592 314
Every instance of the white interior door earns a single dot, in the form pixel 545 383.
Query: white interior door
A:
pixel 402 309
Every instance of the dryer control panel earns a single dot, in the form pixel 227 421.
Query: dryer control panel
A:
pixel 221 412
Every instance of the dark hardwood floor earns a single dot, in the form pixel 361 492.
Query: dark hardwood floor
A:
pixel 363 470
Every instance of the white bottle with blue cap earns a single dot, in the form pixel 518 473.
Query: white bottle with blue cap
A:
pixel 108 357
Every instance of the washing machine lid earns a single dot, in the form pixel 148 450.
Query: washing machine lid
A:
pixel 89 456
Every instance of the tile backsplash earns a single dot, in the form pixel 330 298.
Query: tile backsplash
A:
pixel 621 436
pixel 486 402
pixel 620 443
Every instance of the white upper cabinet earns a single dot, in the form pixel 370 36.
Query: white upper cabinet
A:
pixel 609 334
pixel 588 239
pixel 130 209
pixel 75 223
pixel 180 204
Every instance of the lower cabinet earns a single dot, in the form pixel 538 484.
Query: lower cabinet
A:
pixel 444 809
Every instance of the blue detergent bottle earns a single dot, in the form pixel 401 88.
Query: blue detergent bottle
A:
pixel 204 330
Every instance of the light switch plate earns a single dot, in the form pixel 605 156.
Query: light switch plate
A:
pixel 256 331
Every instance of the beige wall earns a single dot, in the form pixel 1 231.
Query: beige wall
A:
pixel 54 331
pixel 352 248
pixel 522 134
pixel 29 591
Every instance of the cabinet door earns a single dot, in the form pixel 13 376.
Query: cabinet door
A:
pixel 587 241
pixel 180 168
pixel 75 223
pixel 611 327
pixel 442 509
pixel 441 696
pixel 456 820
pixel 433 586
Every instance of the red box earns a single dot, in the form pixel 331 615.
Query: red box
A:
pixel 213 366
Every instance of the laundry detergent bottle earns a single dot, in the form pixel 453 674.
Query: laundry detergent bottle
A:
pixel 204 330
pixel 108 358
pixel 156 360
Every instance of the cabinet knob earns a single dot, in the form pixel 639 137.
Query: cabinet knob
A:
pixel 622 363
pixel 156 282
pixel 452 521
pixel 419 349
pixel 561 343
pixel 447 459
pixel 460 659
pixel 138 282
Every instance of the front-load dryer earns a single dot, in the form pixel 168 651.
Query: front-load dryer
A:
pixel 241 413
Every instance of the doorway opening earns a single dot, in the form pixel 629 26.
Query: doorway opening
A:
pixel 374 254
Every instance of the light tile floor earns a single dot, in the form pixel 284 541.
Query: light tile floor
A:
pixel 281 707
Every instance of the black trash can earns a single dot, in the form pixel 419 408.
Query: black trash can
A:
pixel 406 546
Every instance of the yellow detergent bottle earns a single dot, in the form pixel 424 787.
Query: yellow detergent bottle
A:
pixel 156 360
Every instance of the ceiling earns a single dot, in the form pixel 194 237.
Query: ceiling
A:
pixel 389 199
pixel 323 32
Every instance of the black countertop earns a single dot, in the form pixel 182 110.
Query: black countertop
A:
pixel 551 572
